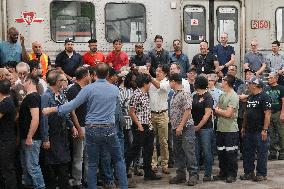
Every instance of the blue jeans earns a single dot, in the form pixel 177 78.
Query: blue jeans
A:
pixel 252 143
pixel 99 139
pixel 32 174
pixel 203 143
pixel 106 162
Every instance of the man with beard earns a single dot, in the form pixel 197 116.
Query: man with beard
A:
pixel 11 50
pixel 68 60
pixel 38 55
pixel 158 55
pixel 93 56
pixel 205 62
pixel 180 58
pixel 140 59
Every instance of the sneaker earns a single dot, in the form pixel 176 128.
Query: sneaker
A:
pixel 272 157
pixel 219 177
pixel 152 176
pixel 259 178
pixel 231 179
pixel 248 176
pixel 207 178
pixel 165 170
pixel 192 181
pixel 177 180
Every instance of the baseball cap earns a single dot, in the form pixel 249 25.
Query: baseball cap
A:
pixel 257 81
pixel 69 40
pixel 139 45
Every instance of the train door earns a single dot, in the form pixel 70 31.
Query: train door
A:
pixel 206 20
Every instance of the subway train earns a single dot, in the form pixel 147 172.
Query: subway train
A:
pixel 52 21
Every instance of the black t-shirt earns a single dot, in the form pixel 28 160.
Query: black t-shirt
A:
pixel 276 93
pixel 32 100
pixel 199 103
pixel 7 122
pixel 81 111
pixel 204 63
pixel 256 105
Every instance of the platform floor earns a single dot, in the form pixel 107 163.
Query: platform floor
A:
pixel 275 180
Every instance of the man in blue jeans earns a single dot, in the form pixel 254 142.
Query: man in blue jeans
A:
pixel 30 136
pixel 101 98
pixel 255 136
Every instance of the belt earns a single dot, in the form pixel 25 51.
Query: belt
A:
pixel 159 112
pixel 99 126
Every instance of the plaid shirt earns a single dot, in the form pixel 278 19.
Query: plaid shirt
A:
pixel 140 101
pixel 180 102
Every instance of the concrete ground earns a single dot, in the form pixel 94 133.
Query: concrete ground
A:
pixel 275 180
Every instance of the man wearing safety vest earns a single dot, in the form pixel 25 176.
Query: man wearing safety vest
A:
pixel 43 58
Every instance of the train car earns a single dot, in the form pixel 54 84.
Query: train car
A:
pixel 52 21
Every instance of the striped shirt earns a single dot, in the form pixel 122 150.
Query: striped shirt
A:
pixel 125 96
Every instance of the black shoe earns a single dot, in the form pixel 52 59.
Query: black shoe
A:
pixel 248 176
pixel 170 165
pixel 281 157
pixel 78 187
pixel 259 178
pixel 231 179
pixel 219 177
pixel 272 157
pixel 152 176
pixel 177 180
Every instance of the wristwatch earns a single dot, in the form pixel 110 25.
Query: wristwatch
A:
pixel 265 130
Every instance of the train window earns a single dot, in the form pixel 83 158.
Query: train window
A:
pixel 280 24
pixel 72 19
pixel 194 21
pixel 227 21
pixel 127 24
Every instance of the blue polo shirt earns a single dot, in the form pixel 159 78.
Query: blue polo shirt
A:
pixel 182 61
pixel 10 52
pixel 101 98
pixel 223 55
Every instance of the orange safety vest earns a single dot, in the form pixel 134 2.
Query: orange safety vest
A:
pixel 43 61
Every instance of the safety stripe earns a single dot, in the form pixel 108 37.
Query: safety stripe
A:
pixel 220 148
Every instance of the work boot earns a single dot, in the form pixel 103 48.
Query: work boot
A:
pixel 192 181
pixel 248 176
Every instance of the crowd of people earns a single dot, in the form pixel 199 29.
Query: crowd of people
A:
pixel 96 120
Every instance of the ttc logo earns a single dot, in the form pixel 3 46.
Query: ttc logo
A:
pixel 29 18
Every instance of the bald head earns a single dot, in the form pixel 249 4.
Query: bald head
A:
pixel 102 70
pixel 254 45
pixel 13 35
pixel 37 48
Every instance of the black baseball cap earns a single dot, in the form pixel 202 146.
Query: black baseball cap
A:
pixel 69 40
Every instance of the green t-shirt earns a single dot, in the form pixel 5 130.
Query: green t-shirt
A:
pixel 228 124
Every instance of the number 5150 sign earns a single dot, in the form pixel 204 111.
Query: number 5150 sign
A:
pixel 260 24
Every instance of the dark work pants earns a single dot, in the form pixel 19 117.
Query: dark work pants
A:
pixel 227 146
pixel 7 164
pixel 143 139
pixel 60 171
pixel 240 125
